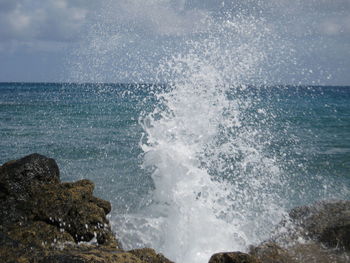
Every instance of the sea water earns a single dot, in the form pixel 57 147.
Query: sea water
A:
pixel 189 172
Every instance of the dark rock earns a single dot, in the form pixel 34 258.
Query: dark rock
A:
pixel 326 222
pixel 32 169
pixel 271 253
pixel 72 208
pixel 44 221
pixel 38 209
pixel 316 252
pixel 149 255
pixel 298 253
pixel 233 257
pixel 90 254
pixel 67 254
pixel 38 234
pixel 61 259
pixel 6 241
pixel 18 178
pixel 317 233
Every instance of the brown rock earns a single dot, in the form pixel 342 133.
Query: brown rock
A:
pixel 38 208
pixel 72 208
pixel 271 253
pixel 233 257
pixel 149 255
pixel 44 221
pixel 17 178
pixel 90 254
pixel 38 234
pixel 326 222
pixel 316 252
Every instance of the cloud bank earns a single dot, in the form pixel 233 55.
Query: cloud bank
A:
pixel 318 29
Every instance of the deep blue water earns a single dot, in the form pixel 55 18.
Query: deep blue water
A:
pixel 93 131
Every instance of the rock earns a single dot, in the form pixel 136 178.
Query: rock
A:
pixel 316 252
pixel 67 254
pixel 39 209
pixel 45 221
pixel 88 253
pixel 149 255
pixel 72 208
pixel 326 222
pixel 233 257
pixel 297 253
pixel 271 253
pixel 316 233
pixel 17 178
pixel 38 234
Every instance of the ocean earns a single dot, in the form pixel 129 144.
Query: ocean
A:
pixel 189 171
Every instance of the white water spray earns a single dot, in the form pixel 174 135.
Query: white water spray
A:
pixel 215 188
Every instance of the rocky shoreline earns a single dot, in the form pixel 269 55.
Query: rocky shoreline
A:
pixel 44 220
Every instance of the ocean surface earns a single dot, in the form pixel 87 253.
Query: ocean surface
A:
pixel 188 171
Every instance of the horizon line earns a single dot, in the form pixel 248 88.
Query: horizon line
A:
pixel 160 84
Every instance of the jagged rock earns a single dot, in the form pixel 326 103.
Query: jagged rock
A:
pixel 38 208
pixel 72 208
pixel 149 255
pixel 316 252
pixel 88 253
pixel 271 253
pixel 316 233
pixel 70 253
pixel 44 221
pixel 38 234
pixel 18 178
pixel 326 222
pixel 233 257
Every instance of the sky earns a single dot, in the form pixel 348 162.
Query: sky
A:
pixel 124 40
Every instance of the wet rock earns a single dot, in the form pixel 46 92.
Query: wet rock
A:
pixel 72 208
pixel 38 234
pixel 68 254
pixel 39 209
pixel 17 181
pixel 233 257
pixel 45 221
pixel 316 252
pixel 271 253
pixel 149 255
pixel 326 222
pixel 317 233
pixel 88 253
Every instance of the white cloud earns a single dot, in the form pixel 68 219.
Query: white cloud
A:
pixel 63 20
pixel 163 17
pixel 139 27
pixel 19 21
pixel 28 20
pixel 335 26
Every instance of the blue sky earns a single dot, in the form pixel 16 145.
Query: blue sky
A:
pixel 124 40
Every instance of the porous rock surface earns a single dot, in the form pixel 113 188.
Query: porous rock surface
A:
pixel 325 222
pixel 44 220
pixel 233 257
pixel 317 233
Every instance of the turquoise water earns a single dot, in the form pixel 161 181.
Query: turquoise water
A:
pixel 93 132
pixel 296 137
